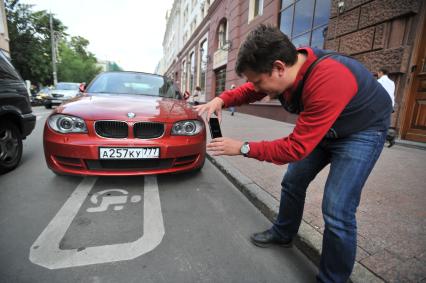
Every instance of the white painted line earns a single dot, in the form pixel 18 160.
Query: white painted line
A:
pixel 46 252
pixel 39 117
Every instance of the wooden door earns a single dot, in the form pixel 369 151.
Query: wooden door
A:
pixel 416 130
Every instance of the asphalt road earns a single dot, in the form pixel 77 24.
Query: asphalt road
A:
pixel 169 228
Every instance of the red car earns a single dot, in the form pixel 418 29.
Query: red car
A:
pixel 125 123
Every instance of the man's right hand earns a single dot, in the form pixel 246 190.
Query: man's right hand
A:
pixel 213 106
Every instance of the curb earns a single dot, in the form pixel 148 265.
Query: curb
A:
pixel 308 239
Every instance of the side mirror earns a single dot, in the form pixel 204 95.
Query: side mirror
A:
pixel 82 88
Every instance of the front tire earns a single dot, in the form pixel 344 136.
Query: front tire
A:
pixel 10 146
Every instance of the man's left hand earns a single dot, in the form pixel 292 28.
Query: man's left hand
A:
pixel 224 146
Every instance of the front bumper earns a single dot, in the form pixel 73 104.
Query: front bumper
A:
pixel 78 154
pixel 55 100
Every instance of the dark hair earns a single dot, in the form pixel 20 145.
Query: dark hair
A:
pixel 384 71
pixel 198 88
pixel 262 47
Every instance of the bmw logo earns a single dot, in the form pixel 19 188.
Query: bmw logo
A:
pixel 131 115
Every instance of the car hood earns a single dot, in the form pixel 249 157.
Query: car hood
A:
pixel 117 107
pixel 66 93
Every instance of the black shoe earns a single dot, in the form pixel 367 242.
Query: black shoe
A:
pixel 267 238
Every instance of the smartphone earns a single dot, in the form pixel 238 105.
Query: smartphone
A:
pixel 215 128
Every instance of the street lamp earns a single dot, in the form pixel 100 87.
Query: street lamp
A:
pixel 53 35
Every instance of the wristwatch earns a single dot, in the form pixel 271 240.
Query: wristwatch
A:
pixel 245 149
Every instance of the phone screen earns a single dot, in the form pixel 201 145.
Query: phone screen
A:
pixel 215 128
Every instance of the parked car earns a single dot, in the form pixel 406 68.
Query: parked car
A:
pixel 62 92
pixel 16 118
pixel 125 123
pixel 40 97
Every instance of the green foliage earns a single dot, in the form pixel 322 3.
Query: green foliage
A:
pixel 76 64
pixel 30 47
pixel 112 66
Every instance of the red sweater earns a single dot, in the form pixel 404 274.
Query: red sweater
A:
pixel 329 88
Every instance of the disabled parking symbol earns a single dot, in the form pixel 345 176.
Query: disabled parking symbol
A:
pixel 46 250
pixel 106 200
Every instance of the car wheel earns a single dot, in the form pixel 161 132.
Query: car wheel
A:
pixel 48 106
pixel 10 146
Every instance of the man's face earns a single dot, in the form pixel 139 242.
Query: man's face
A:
pixel 272 84
pixel 379 74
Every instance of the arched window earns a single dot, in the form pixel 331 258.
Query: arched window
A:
pixel 222 34
pixel 203 64
pixel 191 71
pixel 183 82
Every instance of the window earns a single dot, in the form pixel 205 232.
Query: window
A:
pixel 2 30
pixel 191 71
pixel 193 25
pixel 255 9
pixel 222 34
pixel 220 81
pixel 185 14
pixel 305 21
pixel 203 64
pixel 183 79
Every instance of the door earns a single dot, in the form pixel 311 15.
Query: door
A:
pixel 416 130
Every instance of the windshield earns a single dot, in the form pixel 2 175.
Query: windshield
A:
pixel 67 86
pixel 133 83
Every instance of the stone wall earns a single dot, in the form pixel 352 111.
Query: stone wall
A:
pixel 367 30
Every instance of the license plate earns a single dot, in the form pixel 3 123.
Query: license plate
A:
pixel 57 101
pixel 129 152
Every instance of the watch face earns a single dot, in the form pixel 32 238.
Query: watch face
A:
pixel 245 149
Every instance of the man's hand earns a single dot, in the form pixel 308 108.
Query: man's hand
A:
pixel 213 106
pixel 224 146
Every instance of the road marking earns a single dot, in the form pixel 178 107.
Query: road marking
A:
pixel 115 201
pixel 39 117
pixel 46 252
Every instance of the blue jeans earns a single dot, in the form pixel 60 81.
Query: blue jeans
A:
pixel 351 160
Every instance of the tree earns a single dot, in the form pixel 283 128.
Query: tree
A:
pixel 30 47
pixel 112 66
pixel 77 64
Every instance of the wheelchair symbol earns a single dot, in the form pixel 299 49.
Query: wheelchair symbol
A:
pixel 105 200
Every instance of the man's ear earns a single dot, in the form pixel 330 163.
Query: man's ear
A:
pixel 280 66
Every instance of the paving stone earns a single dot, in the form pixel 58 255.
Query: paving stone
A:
pixel 410 271
pixel 381 262
pixel 391 217
pixel 369 245
pixel 361 254
pixel 409 249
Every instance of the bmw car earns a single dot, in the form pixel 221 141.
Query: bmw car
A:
pixel 125 123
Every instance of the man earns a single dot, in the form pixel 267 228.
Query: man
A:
pixel 343 118
pixel 387 83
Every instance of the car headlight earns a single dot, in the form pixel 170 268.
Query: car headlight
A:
pixel 187 128
pixel 67 124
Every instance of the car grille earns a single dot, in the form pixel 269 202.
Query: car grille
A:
pixel 148 130
pixel 111 129
pixel 140 164
pixel 57 95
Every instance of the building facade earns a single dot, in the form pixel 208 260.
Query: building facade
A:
pixel 381 34
pixel 4 38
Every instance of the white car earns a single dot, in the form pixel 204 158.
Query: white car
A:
pixel 62 92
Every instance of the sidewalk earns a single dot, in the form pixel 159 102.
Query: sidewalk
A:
pixel 391 217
